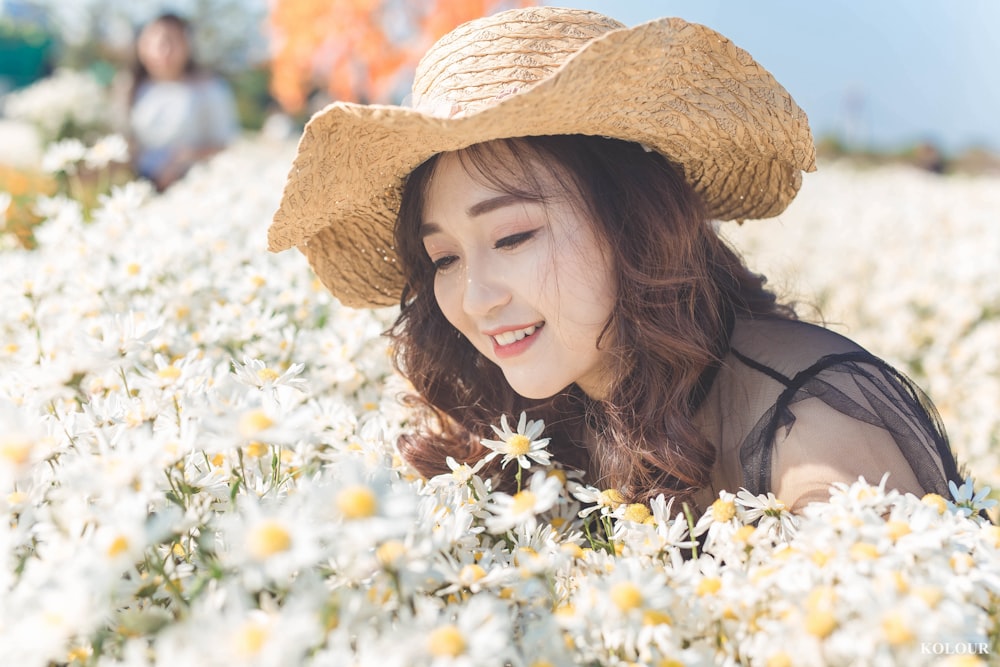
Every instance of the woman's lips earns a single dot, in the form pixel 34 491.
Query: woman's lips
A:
pixel 512 342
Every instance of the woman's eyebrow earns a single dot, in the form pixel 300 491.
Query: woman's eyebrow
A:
pixel 479 208
pixel 492 204
pixel 428 228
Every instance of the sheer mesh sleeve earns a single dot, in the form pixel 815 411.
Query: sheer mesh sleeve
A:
pixel 846 415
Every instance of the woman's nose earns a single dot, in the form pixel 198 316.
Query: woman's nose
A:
pixel 485 290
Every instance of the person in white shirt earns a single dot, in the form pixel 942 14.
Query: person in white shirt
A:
pixel 177 113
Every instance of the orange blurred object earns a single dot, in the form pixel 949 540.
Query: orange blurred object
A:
pixel 24 186
pixel 358 50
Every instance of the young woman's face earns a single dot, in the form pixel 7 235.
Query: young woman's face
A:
pixel 163 50
pixel 526 282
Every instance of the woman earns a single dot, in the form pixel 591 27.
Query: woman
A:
pixel 544 217
pixel 176 115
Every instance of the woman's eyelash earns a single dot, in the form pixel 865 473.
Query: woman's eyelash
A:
pixel 443 262
pixel 514 239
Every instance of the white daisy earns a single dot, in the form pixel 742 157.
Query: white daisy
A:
pixel 523 507
pixel 522 445
pixel 775 517
pixel 64 155
pixel 108 149
pixel 606 501
pixel 461 473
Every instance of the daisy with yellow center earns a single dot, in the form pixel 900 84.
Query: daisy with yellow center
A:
pixel 522 445
pixel 541 494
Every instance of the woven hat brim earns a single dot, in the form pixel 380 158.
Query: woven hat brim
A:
pixel 679 88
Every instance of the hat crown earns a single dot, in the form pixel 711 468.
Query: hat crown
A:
pixel 483 61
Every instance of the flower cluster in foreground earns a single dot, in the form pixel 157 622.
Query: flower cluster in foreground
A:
pixel 197 467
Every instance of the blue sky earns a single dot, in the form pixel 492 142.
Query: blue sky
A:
pixel 881 73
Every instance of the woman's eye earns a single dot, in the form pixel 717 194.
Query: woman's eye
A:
pixel 514 240
pixel 443 263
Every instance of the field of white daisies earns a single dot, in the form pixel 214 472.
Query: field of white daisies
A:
pixel 197 460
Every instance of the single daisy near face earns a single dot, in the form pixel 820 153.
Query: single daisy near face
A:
pixel 522 445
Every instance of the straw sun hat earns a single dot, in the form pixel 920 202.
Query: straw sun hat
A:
pixel 679 88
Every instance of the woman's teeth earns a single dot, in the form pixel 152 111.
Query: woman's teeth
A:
pixel 508 337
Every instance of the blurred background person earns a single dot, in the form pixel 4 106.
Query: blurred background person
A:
pixel 174 112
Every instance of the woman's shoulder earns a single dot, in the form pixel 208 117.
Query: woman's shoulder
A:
pixel 789 347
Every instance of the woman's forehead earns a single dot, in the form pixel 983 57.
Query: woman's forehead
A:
pixel 514 165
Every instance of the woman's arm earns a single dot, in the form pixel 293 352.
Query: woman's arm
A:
pixel 824 446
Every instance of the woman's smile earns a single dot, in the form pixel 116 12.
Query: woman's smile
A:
pixel 512 342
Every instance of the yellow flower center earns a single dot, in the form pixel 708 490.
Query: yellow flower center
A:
pixel 780 659
pixel 471 573
pixel 256 449
pixel 118 546
pixel 253 422
pixel 864 551
pixel 267 375
pixel 524 555
pixel 961 562
pixel 389 552
pixel 895 629
pixel 558 474
pixel 524 502
pixel 133 269
pixel 820 620
pixel 935 501
pixel 78 654
pixel 723 510
pixel 250 639
pixel 821 597
pixel 610 498
pixel 15 449
pixel 637 512
pixel 519 445
pixel 820 623
pixel 170 372
pixel 821 558
pixel 709 585
pixel 626 595
pixel 357 502
pixel 744 533
pixel 267 539
pixel 446 642
pixel 897 529
pixel 565 610
pixel 655 617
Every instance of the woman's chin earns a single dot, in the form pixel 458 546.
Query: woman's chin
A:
pixel 536 391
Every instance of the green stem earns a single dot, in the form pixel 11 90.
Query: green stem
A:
pixel 121 371
pixel 690 521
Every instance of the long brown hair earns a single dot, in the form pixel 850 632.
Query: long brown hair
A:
pixel 679 288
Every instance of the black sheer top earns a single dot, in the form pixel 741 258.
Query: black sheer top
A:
pixel 794 408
